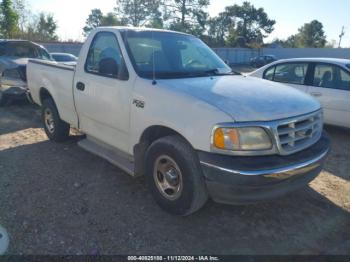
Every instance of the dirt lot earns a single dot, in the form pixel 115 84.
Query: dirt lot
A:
pixel 59 199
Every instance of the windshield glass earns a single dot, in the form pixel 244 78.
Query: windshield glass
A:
pixel 172 55
pixel 24 50
pixel 348 66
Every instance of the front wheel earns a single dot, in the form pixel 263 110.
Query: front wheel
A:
pixel 55 128
pixel 175 177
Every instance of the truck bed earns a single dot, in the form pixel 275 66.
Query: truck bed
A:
pixel 57 79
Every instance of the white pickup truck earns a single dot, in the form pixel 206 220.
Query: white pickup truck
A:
pixel 164 105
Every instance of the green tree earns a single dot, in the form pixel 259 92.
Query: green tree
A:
pixel 156 22
pixel 110 20
pixel 218 30
pixel 251 26
pixel 137 12
pixel 93 21
pixel 311 35
pixel 46 28
pixel 97 18
pixel 9 19
pixel 187 15
pixel 24 14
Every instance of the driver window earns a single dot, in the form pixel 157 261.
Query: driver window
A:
pixel 104 57
pixel 293 73
pixel 269 74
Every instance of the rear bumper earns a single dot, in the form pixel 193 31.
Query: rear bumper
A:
pixel 246 180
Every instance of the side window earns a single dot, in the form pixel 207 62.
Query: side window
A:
pixel 331 76
pixel 269 73
pixel 104 57
pixel 292 73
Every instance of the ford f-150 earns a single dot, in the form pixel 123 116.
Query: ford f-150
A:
pixel 162 104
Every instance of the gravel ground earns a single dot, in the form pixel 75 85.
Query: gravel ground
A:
pixel 59 199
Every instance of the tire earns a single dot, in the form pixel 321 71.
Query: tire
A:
pixel 56 129
pixel 174 153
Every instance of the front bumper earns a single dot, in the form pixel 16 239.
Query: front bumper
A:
pixel 247 180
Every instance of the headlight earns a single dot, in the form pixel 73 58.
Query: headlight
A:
pixel 241 139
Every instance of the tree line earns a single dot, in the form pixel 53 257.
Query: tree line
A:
pixel 237 26
pixel 18 22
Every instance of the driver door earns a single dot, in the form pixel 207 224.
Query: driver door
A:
pixel 102 95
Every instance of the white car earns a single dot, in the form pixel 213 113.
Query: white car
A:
pixel 326 79
pixel 164 105
pixel 65 58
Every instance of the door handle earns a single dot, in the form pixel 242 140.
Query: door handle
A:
pixel 80 86
pixel 316 94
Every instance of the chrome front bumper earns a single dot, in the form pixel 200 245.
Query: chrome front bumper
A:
pixel 244 180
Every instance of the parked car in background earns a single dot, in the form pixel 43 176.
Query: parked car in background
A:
pixel 14 55
pixel 262 60
pixel 326 79
pixel 65 58
pixel 162 104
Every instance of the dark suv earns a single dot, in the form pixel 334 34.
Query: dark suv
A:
pixel 262 60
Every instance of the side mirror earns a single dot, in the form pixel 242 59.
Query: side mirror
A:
pixel 108 66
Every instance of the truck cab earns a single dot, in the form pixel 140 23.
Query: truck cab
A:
pixel 163 105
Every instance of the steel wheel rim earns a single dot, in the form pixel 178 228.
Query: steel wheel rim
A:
pixel 49 121
pixel 168 178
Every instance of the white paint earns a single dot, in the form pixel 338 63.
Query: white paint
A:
pixel 335 102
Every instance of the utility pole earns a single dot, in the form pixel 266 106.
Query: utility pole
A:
pixel 341 36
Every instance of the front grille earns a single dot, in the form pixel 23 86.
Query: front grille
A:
pixel 300 133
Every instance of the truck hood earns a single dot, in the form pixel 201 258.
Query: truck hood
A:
pixel 247 99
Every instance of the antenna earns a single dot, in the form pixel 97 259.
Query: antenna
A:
pixel 341 36
pixel 154 82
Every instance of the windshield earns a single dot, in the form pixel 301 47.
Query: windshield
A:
pixel 24 50
pixel 348 66
pixel 172 55
pixel 64 58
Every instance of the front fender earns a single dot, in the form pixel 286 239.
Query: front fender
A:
pixel 191 118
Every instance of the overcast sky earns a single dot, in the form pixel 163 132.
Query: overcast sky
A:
pixel 289 14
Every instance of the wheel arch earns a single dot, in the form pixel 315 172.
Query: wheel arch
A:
pixel 45 94
pixel 148 136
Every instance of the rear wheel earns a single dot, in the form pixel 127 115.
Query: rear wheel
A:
pixel 175 177
pixel 56 129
